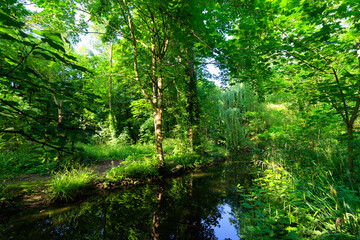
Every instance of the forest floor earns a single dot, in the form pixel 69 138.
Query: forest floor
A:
pixel 30 190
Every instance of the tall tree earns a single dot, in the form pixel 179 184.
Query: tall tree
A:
pixel 145 26
pixel 152 28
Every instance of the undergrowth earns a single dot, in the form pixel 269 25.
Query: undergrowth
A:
pixel 5 195
pixel 302 188
pixel 145 165
pixel 23 161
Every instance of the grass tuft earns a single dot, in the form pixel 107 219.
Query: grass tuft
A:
pixel 69 184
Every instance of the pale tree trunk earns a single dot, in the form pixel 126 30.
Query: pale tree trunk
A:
pixel 158 110
pixel 59 103
pixel 59 108
pixel 159 138
pixel 110 78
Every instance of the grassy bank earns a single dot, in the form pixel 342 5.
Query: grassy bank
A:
pixel 124 163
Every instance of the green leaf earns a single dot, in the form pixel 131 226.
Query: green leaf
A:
pixel 6 20
pixel 43 55
pixel 54 45
pixel 8 30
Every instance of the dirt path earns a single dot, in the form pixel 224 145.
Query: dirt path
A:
pixel 100 170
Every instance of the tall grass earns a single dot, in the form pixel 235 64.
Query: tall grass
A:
pixel 302 187
pixel 117 152
pixel 69 184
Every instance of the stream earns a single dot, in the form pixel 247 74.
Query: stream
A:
pixel 199 205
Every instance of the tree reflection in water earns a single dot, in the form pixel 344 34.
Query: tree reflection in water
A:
pixel 182 208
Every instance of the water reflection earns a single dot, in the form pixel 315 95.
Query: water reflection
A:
pixel 228 224
pixel 195 206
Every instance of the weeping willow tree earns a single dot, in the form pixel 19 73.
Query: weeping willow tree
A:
pixel 242 116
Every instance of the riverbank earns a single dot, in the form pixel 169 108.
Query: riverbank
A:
pixel 34 191
pixel 200 204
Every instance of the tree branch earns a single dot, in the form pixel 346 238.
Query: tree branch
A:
pixel 21 132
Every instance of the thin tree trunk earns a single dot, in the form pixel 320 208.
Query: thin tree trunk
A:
pixel 350 147
pixel 110 78
pixel 158 131
pixel 59 108
pixel 192 102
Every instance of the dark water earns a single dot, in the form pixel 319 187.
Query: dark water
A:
pixel 200 205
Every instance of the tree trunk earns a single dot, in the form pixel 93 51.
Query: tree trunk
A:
pixel 110 78
pixel 350 147
pixel 59 108
pixel 192 103
pixel 158 50
pixel 159 138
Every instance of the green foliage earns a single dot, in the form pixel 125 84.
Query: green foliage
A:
pixel 299 203
pixel 39 102
pixel 242 116
pixel 146 133
pixel 24 160
pixel 314 62
pixel 69 184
